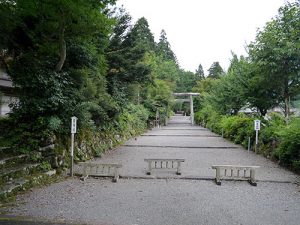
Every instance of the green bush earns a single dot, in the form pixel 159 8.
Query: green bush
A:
pixel 276 138
pixel 208 117
pixel 133 119
pixel 130 122
pixel 288 151
pixel 268 135
pixel 238 128
pixel 270 128
pixel 23 135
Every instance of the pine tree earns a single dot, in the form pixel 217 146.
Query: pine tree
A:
pixel 200 73
pixel 215 70
pixel 124 55
pixel 141 35
pixel 164 48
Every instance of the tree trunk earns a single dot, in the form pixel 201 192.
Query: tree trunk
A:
pixel 62 52
pixel 286 100
pixel 62 47
pixel 262 111
pixel 286 105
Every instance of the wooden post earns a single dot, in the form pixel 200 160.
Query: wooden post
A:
pixel 116 175
pixel 179 168
pixel 252 177
pixel 149 167
pixel 218 176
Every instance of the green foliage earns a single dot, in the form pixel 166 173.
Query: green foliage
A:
pixel 276 52
pixel 276 138
pixel 42 90
pixel 187 80
pixel 142 36
pixel 269 77
pixel 215 70
pixel 56 61
pixel 238 128
pixel 227 95
pixel 125 55
pixel 288 151
pixel 204 87
pixel 164 48
pixel 200 73
pixel 208 117
pixel 55 124
pixel 133 119
pixel 24 136
pixel 259 91
pixel 162 69
pixel 271 126
pixel 130 122
pixel 45 166
pixel 158 97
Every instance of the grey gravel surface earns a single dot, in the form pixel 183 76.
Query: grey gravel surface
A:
pixel 198 146
pixel 168 202
pixel 193 199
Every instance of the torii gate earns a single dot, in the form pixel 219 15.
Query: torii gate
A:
pixel 191 94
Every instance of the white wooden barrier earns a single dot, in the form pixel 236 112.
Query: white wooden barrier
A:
pixel 235 172
pixel 164 164
pixel 101 170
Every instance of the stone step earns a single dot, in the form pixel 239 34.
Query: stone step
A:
pixel 12 185
pixel 7 152
pixel 24 183
pixel 7 174
pixel 10 161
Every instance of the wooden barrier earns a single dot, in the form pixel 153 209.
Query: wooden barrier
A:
pixel 236 172
pixel 164 164
pixel 101 170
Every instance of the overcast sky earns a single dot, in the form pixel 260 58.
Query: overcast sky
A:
pixel 204 31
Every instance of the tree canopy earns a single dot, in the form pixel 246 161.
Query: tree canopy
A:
pixel 276 53
pixel 269 77
pixel 215 70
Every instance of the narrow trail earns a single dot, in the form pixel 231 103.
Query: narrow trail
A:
pixel 191 198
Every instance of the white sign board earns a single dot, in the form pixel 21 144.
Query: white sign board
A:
pixel 256 124
pixel 73 125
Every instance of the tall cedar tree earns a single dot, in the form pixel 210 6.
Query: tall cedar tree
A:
pixel 215 70
pixel 200 73
pixel 141 35
pixel 164 48
pixel 124 55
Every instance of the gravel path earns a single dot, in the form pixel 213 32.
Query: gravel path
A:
pixel 168 202
pixel 193 199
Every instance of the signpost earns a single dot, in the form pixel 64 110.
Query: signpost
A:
pixel 256 128
pixel 73 132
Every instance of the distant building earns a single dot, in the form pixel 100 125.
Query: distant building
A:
pixel 293 111
pixel 7 95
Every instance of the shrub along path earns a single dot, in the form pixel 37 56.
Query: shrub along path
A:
pixel 192 200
